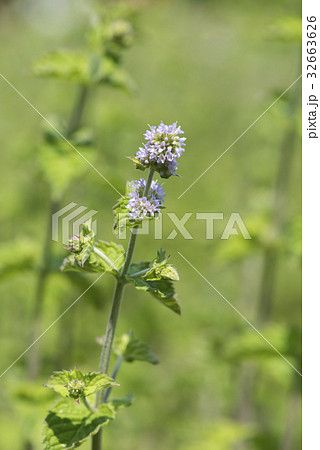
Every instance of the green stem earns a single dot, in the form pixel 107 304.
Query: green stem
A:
pixel 77 112
pixel 114 314
pixel 88 405
pixel 114 376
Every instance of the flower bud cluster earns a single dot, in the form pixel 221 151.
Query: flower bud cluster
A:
pixel 75 389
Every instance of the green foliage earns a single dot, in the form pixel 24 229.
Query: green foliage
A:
pixel 82 68
pixel 75 384
pixel 17 256
pixel 137 163
pixel 64 65
pixel 223 436
pixel 131 349
pixel 287 29
pixel 175 85
pixel 99 63
pixel 249 345
pixel 161 269
pixel 68 424
pixel 29 401
pixel 157 278
pixel 86 254
pixel 59 163
pixel 110 261
pixel 119 403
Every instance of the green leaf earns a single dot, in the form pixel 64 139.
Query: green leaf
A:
pixel 163 290
pixel 61 164
pixel 82 68
pixel 104 257
pixel 114 76
pixel 121 220
pixel 157 278
pixel 68 424
pixel 75 384
pixel 29 401
pixel 161 269
pixel 64 65
pixel 81 247
pixel 119 403
pixel 137 163
pixel 131 349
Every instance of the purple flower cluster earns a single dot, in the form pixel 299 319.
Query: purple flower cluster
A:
pixel 141 206
pixel 164 146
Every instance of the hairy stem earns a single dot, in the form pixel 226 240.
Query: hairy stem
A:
pixel 114 376
pixel 114 314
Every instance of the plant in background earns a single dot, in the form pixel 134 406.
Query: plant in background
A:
pixel 99 63
pixel 69 422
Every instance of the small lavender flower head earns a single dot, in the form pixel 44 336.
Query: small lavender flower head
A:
pixel 164 146
pixel 140 206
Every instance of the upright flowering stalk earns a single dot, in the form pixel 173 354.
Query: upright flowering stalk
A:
pixel 66 426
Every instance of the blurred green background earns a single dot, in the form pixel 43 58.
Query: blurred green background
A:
pixel 214 67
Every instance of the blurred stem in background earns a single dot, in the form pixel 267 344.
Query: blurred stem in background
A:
pixel 271 254
pixel 33 356
pixel 270 261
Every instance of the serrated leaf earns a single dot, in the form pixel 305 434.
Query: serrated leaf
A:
pixel 75 384
pixel 108 258
pixel 162 289
pixel 161 269
pixel 131 349
pixel 68 424
pixel 157 278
